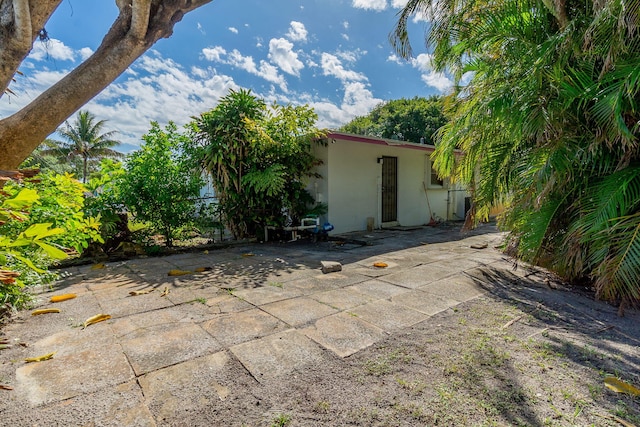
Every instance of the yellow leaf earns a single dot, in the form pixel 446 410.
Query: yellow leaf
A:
pixel 63 297
pixel 248 254
pixel 620 386
pixel 178 272
pixel 380 264
pixel 165 292
pixel 95 319
pixel 99 266
pixel 39 358
pixel 202 269
pixel 136 293
pixel 45 311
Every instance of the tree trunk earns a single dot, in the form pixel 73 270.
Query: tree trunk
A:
pixel 140 24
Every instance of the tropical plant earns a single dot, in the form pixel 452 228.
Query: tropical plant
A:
pixel 414 120
pixel 40 222
pixel 258 158
pixel 549 124
pixel 161 184
pixel 86 142
pixel 47 158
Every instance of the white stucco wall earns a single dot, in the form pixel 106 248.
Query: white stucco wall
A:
pixel 351 185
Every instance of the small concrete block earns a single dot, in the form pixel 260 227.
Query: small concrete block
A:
pixel 344 334
pixel 237 328
pixel 330 266
pixel 165 345
pixel 278 354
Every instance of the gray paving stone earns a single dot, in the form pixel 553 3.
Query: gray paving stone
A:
pixel 278 354
pixel 343 299
pixel 171 392
pixel 387 315
pixel 236 328
pixel 165 345
pixel 327 282
pixel 344 334
pixel 460 288
pixel 266 294
pixel 298 311
pixel 419 276
pixel 119 405
pixel 377 289
pixel 424 302
pixel 128 304
pixel 70 374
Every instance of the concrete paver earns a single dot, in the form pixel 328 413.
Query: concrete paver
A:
pixel 259 312
pixel 278 354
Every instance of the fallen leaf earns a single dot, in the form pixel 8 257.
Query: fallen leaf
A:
pixel 95 319
pixel 39 358
pixel 479 246
pixel 380 264
pixel 45 311
pixel 620 386
pixel 248 254
pixel 5 387
pixel 201 269
pixel 64 297
pixel 165 292
pixel 4 346
pixel 178 272
pixel 142 292
pixel 99 266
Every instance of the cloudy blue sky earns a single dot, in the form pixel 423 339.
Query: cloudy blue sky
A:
pixel 331 54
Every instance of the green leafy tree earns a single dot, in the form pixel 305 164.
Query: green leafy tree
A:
pixel 47 158
pixel 549 124
pixel 414 120
pixel 258 158
pixel 86 142
pixel 160 184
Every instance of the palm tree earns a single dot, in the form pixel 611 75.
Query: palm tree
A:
pixel 550 125
pixel 86 141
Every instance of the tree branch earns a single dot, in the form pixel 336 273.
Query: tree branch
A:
pixel 141 9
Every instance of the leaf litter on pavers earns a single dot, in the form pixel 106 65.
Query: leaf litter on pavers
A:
pixel 142 292
pixel 620 386
pixel 45 311
pixel 178 272
pixel 165 292
pixel 95 319
pixel 40 358
pixel 63 297
pixel 98 266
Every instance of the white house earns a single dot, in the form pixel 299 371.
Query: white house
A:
pixel 370 182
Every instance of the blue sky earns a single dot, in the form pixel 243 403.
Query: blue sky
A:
pixel 331 54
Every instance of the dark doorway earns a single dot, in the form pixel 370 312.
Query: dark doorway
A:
pixel 389 189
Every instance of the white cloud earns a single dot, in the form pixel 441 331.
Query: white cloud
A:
pixel 297 32
pixel 370 4
pixel 423 62
pixel 332 66
pixel 398 4
pixel 357 101
pixel 214 54
pixel 51 49
pixel 345 25
pixel 345 36
pixel 199 27
pixel 437 80
pixel 265 70
pixel 234 30
pixel 395 58
pixel 281 53
pixel 85 52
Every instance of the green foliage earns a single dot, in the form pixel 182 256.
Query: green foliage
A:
pixel 160 184
pixel 549 124
pixel 38 223
pixel 410 120
pixel 258 158
pixel 105 201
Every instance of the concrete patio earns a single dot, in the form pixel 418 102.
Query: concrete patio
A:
pixel 257 313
